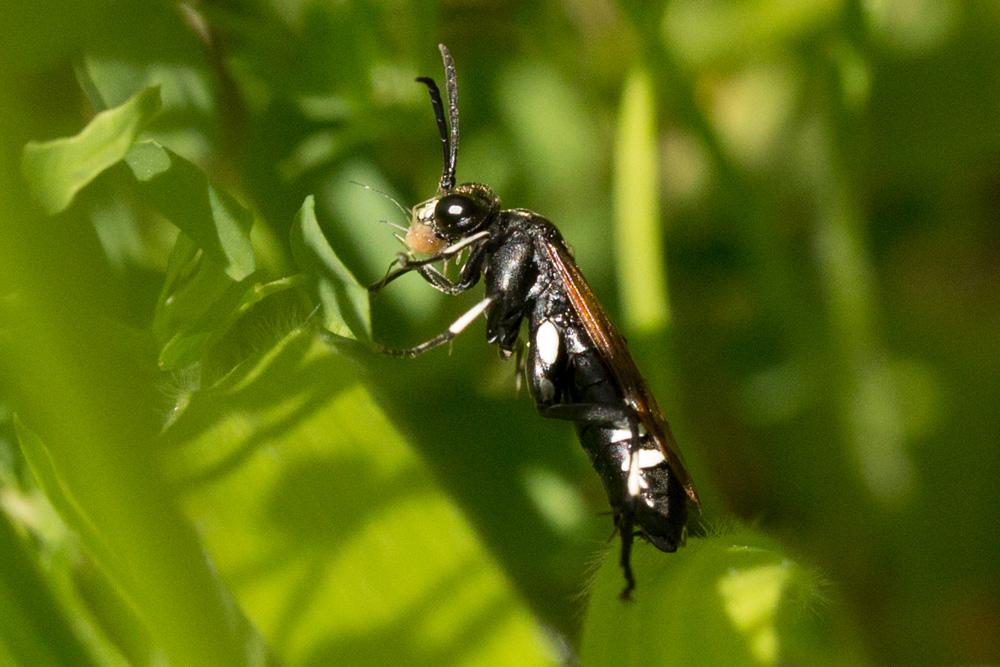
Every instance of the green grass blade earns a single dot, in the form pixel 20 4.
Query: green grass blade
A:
pixel 642 276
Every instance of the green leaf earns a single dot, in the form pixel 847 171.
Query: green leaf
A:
pixel 197 296
pixel 190 343
pixel 39 460
pixel 56 170
pixel 86 593
pixel 199 303
pixel 731 599
pixel 336 537
pixel 183 268
pixel 191 339
pixel 34 628
pixel 345 301
pixel 79 382
pixel 181 192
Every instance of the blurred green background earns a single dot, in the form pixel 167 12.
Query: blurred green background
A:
pixel 789 207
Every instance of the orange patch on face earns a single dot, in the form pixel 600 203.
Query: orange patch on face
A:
pixel 421 238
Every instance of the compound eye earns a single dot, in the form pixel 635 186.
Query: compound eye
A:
pixel 457 214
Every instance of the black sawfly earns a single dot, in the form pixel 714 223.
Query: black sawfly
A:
pixel 577 365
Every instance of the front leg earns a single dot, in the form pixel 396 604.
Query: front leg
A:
pixel 407 263
pixel 471 272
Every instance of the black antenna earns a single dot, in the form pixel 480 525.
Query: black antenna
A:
pixel 449 140
pixel 451 85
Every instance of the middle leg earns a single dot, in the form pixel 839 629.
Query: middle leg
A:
pixel 457 327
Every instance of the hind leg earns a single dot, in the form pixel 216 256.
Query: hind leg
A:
pixel 625 529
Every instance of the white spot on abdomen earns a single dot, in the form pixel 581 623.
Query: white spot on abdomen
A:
pixel 647 458
pixel 547 342
pixel 620 435
pixel 623 433
pixel 650 458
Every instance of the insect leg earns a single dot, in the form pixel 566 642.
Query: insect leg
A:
pixel 598 414
pixel 456 328
pixel 519 366
pixel 625 528
pixel 406 264
pixel 471 271
pixel 633 487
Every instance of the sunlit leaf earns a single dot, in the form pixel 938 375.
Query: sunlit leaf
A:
pixel 189 343
pixel 345 302
pixel 199 303
pixel 732 599
pixel 56 170
pixel 181 192
pixel 337 540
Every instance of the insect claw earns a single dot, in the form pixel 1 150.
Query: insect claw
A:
pixel 376 287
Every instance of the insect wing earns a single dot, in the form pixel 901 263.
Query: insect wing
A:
pixel 613 349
